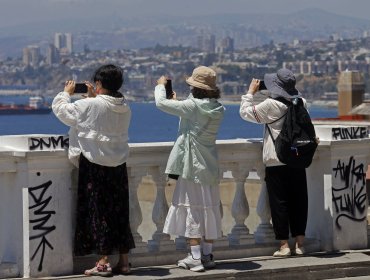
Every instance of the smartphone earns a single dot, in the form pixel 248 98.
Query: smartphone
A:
pixel 169 91
pixel 80 88
pixel 262 85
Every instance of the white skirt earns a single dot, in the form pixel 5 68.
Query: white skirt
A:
pixel 195 211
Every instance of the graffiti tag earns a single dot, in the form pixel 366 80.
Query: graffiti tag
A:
pixel 60 142
pixel 349 133
pixel 350 197
pixel 42 216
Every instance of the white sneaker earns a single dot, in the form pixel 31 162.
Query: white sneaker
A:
pixel 208 262
pixel 190 263
pixel 300 251
pixel 285 252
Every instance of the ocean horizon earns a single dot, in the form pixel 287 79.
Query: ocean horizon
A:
pixel 148 124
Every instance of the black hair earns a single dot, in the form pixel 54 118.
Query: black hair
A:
pixel 204 93
pixel 110 76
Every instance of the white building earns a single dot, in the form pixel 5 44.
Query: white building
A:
pixel 63 42
pixel 31 55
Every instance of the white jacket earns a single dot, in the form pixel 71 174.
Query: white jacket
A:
pixel 99 127
pixel 266 112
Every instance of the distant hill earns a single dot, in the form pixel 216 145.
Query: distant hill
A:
pixel 118 32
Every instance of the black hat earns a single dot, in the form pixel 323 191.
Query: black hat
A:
pixel 282 83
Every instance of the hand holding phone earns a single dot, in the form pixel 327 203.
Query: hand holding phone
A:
pixel 169 91
pixel 80 88
pixel 262 85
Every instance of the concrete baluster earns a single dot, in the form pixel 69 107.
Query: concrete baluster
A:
pixel 223 241
pixel 264 232
pixel 160 241
pixel 240 209
pixel 136 217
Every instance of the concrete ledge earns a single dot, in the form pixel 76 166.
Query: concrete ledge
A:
pixel 312 266
pixel 9 270
pixel 221 253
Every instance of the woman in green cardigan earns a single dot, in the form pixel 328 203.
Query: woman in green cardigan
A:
pixel 195 209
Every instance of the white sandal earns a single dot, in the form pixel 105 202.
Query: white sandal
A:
pixel 103 270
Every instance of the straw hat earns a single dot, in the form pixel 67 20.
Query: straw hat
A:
pixel 203 77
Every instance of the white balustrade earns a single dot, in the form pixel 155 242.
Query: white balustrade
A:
pixel 25 175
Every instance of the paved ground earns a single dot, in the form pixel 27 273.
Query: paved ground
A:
pixel 351 264
pixel 353 278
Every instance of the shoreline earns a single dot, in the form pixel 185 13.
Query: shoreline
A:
pixel 323 104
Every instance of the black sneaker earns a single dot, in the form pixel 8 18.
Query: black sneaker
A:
pixel 208 262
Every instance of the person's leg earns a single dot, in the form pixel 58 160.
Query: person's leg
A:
pixel 207 246
pixel 187 218
pixel 123 266
pixel 195 248
pixel 299 241
pixel 193 260
pixel 119 218
pixel 207 256
pixel 87 214
pixel 278 198
pixel 298 208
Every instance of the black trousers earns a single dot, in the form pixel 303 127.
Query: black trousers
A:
pixel 287 190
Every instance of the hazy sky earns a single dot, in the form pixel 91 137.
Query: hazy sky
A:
pixel 14 12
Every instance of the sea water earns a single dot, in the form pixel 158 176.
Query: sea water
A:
pixel 148 124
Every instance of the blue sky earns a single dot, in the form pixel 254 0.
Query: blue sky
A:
pixel 14 12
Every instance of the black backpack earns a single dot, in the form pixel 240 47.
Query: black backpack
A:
pixel 296 143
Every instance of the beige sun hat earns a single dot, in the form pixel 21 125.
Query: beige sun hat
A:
pixel 203 77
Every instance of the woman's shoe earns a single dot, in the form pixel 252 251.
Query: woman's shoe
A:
pixel 119 271
pixel 190 263
pixel 208 262
pixel 300 251
pixel 284 252
pixel 103 270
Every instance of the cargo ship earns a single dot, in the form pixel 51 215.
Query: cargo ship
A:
pixel 36 105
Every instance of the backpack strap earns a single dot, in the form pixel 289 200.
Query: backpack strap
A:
pixel 287 103
pixel 272 137
pixel 283 100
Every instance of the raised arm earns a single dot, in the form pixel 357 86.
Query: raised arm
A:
pixel 183 109
pixel 63 109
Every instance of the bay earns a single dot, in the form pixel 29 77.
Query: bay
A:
pixel 148 124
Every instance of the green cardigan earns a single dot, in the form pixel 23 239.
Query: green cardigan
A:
pixel 194 154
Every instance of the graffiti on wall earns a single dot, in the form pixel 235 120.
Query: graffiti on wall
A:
pixel 349 196
pixel 40 228
pixel 44 143
pixel 349 133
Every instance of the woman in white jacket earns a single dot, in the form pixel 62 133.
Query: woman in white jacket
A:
pixel 98 145
pixel 286 186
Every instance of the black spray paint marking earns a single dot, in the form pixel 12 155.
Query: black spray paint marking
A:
pixel 350 199
pixel 60 142
pixel 39 224
pixel 349 133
